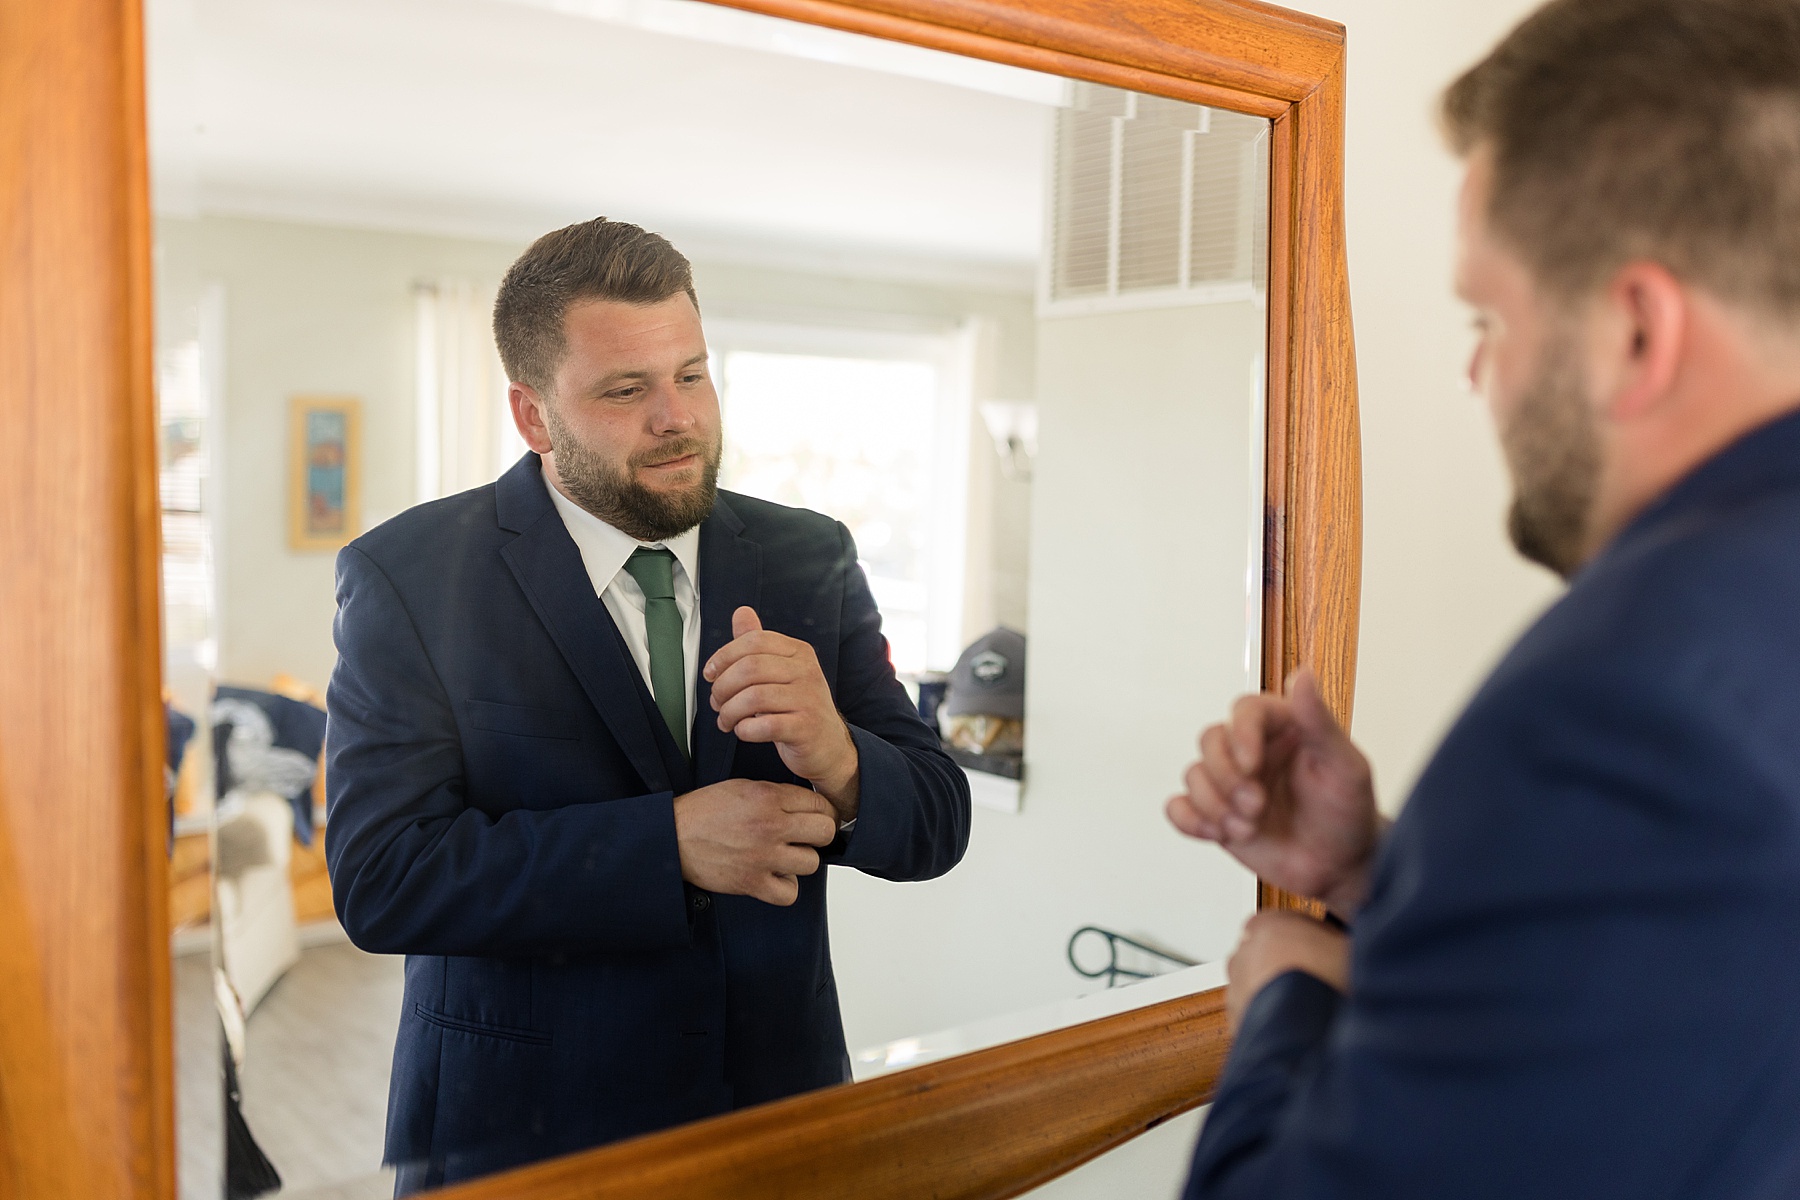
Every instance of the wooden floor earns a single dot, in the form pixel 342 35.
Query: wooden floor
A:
pixel 315 1088
pixel 199 1141
pixel 314 1079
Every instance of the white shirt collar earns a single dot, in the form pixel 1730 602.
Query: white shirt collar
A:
pixel 604 549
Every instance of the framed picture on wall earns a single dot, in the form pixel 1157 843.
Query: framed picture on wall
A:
pixel 324 471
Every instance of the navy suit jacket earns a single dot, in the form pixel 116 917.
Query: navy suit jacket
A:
pixel 501 812
pixel 1578 971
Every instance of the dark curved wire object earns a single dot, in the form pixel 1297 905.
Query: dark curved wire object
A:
pixel 1112 972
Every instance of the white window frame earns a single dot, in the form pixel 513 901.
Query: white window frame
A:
pixel 951 353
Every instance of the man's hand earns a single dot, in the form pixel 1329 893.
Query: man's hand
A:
pixel 1275 943
pixel 767 687
pixel 1287 794
pixel 744 837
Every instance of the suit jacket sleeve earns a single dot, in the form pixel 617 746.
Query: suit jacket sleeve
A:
pixel 414 870
pixel 912 821
pixel 1573 977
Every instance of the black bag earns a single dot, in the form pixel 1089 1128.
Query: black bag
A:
pixel 248 1171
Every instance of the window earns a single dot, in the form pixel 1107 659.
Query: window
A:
pixel 464 432
pixel 877 440
pixel 189 370
pixel 183 487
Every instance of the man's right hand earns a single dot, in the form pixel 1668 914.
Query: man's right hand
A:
pixel 1283 789
pixel 744 837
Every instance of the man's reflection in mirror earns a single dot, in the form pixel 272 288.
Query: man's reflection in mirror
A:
pixel 596 728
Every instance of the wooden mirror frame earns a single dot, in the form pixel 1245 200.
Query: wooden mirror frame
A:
pixel 86 1064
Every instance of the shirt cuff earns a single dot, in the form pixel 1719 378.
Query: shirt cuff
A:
pixel 843 826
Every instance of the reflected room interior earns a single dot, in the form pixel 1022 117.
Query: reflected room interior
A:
pixel 1008 328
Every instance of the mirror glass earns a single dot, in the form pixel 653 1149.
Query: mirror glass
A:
pixel 1007 328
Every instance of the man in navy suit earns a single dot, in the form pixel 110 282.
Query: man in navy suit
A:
pixel 594 730
pixel 1573 965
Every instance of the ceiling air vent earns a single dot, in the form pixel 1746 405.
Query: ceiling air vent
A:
pixel 1154 202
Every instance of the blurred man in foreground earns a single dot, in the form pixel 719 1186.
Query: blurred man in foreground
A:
pixel 1574 961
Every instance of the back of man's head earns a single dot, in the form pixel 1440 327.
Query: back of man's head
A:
pixel 1666 130
pixel 592 260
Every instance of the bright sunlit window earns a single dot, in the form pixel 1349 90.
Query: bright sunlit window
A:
pixel 859 439
pixel 187 560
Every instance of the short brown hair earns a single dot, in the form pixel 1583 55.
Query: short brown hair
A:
pixel 594 260
pixel 1666 130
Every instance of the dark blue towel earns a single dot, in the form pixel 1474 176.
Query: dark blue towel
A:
pixel 180 733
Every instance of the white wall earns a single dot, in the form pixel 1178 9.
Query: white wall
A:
pixel 1143 515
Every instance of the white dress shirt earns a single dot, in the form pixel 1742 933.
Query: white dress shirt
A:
pixel 603 552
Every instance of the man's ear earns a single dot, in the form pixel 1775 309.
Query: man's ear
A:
pixel 1642 340
pixel 529 415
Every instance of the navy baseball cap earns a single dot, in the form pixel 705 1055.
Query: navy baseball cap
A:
pixel 989 678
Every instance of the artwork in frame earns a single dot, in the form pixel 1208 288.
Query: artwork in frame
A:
pixel 324 471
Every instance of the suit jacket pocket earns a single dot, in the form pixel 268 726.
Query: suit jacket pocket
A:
pixel 535 1037
pixel 521 721
pixel 494 1104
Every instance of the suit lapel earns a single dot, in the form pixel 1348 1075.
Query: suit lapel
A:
pixel 730 577
pixel 544 560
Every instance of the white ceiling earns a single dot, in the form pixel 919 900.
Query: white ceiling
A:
pixel 731 132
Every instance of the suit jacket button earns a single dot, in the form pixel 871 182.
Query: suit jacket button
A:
pixel 702 902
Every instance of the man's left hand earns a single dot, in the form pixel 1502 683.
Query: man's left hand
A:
pixel 1275 943
pixel 767 687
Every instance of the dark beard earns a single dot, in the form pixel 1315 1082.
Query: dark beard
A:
pixel 617 498
pixel 1553 448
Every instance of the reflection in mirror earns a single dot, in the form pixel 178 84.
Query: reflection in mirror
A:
pixel 1007 328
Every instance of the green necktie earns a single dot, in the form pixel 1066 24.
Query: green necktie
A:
pixel 654 571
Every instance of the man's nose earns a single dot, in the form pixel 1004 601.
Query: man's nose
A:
pixel 671 412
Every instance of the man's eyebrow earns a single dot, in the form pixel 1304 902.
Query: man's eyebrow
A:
pixel 613 379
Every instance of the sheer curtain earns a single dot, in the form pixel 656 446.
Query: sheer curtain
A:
pixel 465 435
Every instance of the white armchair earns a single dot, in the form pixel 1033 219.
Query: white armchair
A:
pixel 255 901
